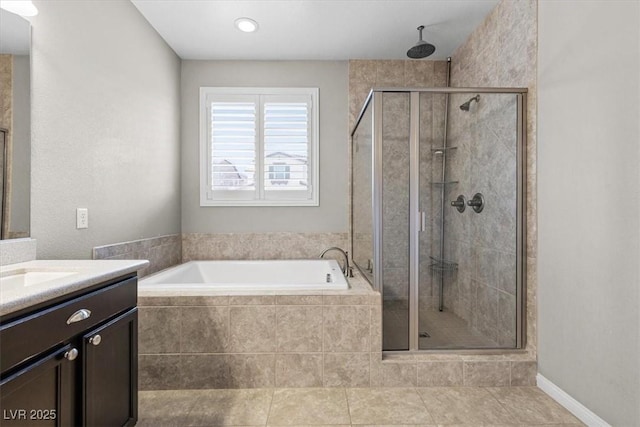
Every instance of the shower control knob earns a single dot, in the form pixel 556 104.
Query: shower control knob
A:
pixel 459 203
pixel 477 203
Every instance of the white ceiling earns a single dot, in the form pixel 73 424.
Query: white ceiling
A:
pixel 15 34
pixel 312 29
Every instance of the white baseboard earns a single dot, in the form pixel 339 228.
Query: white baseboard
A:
pixel 576 408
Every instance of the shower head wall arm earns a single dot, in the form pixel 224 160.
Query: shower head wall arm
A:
pixel 466 105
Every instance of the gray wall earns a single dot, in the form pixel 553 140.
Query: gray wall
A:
pixel 105 127
pixel 21 148
pixel 589 315
pixel 332 79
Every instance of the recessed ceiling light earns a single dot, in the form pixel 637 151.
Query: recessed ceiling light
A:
pixel 19 7
pixel 246 25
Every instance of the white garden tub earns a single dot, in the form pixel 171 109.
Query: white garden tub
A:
pixel 276 275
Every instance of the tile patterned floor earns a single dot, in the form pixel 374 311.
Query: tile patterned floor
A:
pixel 434 406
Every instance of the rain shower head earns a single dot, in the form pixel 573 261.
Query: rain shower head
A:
pixel 466 105
pixel 422 49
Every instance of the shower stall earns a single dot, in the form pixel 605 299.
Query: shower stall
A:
pixel 437 215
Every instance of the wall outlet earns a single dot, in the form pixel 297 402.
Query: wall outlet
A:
pixel 82 218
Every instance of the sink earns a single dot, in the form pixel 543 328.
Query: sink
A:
pixel 30 278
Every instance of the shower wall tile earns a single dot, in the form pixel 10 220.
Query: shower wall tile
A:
pixel 494 56
pixel 161 252
pixel 419 73
pixel 390 73
pixel 506 320
pixel 283 245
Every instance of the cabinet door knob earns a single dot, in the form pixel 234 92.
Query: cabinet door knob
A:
pixel 71 354
pixel 95 340
pixel 79 315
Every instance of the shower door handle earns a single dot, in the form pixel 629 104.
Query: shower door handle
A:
pixel 423 221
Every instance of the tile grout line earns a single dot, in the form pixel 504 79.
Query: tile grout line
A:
pixel 425 405
pixel 273 392
pixel 512 414
pixel 346 398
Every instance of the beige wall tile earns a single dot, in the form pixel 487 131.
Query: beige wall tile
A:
pixel 442 373
pixel 399 373
pixel 252 329
pixel 299 299
pixel 159 372
pixel 299 370
pixel 299 328
pixel 252 299
pixel 251 370
pixel 346 370
pixel 524 373
pixel 376 328
pixel 203 371
pixel 204 329
pixel 161 252
pixel 346 328
pixel 158 330
pixel 482 374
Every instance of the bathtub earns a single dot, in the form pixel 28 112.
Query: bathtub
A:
pixel 276 275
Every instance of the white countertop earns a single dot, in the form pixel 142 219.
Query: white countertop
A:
pixel 80 274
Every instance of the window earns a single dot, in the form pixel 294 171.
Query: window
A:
pixel 258 146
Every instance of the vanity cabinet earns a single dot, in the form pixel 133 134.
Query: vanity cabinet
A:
pixel 73 363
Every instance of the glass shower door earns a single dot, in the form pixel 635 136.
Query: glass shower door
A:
pixel 468 190
pixel 395 171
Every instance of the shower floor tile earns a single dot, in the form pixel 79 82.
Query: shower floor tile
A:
pixel 447 330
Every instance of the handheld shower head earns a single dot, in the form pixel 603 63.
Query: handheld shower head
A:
pixel 422 49
pixel 466 105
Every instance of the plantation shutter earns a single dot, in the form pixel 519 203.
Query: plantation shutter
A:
pixel 287 148
pixel 258 147
pixel 234 141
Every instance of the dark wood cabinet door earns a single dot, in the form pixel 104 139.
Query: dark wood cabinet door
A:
pixel 40 394
pixel 110 380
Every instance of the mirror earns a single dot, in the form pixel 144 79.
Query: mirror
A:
pixel 15 125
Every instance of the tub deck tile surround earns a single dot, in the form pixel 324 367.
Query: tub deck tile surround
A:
pixel 161 252
pixel 248 246
pixel 298 339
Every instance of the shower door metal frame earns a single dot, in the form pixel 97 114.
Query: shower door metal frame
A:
pixel 375 97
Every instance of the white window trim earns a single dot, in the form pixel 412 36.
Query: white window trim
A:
pixel 277 199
